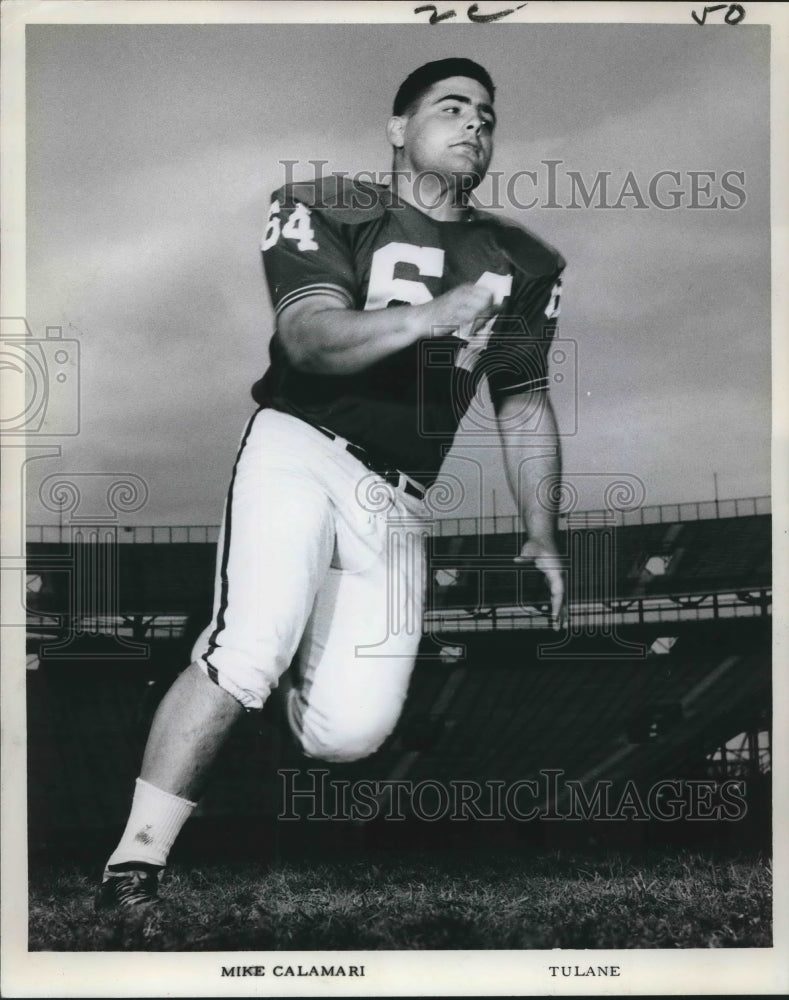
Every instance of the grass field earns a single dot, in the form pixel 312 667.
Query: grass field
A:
pixel 475 900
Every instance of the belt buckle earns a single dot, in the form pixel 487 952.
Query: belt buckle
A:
pixel 399 480
pixel 411 487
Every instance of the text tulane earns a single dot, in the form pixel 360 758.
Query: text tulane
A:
pixel 573 971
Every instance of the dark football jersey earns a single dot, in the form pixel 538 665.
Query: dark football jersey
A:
pixel 370 250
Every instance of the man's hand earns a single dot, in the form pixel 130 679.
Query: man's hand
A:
pixel 457 308
pixel 544 554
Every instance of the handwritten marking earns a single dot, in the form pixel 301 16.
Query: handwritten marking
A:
pixel 471 13
pixel 435 17
pixel 734 14
pixel 485 18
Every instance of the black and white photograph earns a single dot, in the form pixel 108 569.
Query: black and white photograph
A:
pixel 388 474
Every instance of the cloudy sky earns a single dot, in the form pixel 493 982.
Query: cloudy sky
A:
pixel 152 151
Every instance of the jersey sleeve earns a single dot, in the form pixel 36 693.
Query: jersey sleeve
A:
pixel 516 359
pixel 304 254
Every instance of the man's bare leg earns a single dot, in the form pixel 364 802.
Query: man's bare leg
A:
pixel 189 729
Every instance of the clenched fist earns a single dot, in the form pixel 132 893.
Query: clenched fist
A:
pixel 454 312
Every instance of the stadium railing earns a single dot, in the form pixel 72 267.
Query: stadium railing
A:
pixel 448 527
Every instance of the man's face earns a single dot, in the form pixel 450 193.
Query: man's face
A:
pixel 450 132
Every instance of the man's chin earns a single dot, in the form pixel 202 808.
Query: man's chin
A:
pixel 465 181
pixel 455 185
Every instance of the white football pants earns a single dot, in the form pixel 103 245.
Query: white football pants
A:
pixel 320 562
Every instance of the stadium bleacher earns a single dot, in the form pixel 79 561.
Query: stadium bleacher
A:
pixel 493 706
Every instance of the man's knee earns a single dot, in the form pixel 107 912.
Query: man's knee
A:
pixel 347 739
pixel 237 678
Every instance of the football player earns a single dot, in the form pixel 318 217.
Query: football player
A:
pixel 392 305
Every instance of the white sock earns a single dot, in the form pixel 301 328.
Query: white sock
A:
pixel 155 821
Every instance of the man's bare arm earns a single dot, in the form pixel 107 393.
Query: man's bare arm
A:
pixel 524 474
pixel 321 336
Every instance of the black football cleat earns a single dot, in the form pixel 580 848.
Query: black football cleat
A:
pixel 134 888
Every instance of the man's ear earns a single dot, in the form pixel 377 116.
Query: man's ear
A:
pixel 395 131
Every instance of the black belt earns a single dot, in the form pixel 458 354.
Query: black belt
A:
pixel 392 476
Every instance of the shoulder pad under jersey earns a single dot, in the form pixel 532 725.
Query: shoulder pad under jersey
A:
pixel 344 201
pixel 527 251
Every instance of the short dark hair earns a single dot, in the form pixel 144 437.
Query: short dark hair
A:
pixel 422 79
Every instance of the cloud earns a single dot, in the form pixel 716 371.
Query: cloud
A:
pixel 146 204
